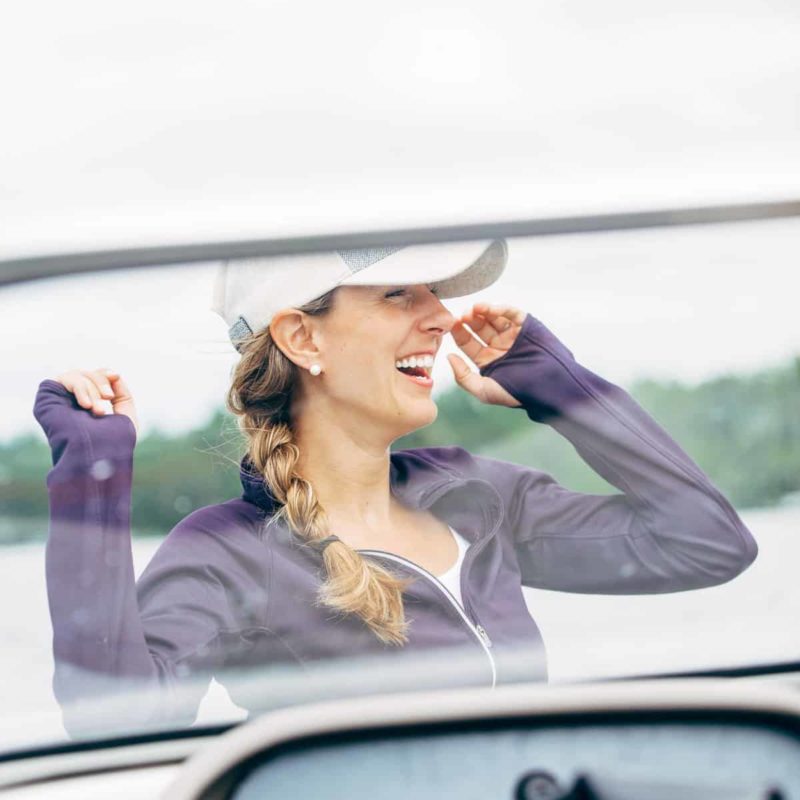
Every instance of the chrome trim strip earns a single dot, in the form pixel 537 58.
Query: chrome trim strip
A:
pixel 40 266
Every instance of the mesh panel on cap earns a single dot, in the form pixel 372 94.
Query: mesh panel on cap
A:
pixel 239 330
pixel 362 258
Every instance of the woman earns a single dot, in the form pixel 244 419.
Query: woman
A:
pixel 337 546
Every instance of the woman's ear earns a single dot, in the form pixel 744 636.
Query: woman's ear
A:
pixel 293 332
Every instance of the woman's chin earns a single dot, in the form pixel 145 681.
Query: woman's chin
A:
pixel 424 413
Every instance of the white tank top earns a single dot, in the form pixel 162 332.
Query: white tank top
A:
pixel 452 578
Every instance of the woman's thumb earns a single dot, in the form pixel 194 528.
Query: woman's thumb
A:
pixel 465 377
pixel 122 402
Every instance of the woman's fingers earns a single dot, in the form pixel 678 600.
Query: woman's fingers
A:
pixel 496 325
pixel 76 382
pixel 498 333
pixel 506 334
pixel 465 340
pixel 511 313
pixel 500 318
pixel 487 331
pixel 485 334
pixel 78 388
pixel 121 392
pixel 94 395
pixel 100 380
pixel 480 324
pixel 93 389
pixel 99 389
pixel 122 402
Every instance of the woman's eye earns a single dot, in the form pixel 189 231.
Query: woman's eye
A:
pixel 402 292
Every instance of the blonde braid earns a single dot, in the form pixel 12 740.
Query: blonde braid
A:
pixel 260 395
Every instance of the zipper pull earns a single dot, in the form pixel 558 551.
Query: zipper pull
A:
pixel 485 636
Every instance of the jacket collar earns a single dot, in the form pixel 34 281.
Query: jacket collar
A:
pixel 471 505
pixel 411 480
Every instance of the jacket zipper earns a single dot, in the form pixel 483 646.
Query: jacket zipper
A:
pixel 477 630
pixel 431 496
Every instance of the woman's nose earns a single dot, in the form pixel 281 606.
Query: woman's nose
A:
pixel 440 320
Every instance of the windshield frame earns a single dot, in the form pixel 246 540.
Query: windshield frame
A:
pixel 61 264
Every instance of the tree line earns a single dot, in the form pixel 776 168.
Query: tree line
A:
pixel 743 430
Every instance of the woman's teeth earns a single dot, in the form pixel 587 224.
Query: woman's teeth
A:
pixel 418 368
pixel 415 361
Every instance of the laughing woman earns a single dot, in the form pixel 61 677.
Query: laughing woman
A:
pixel 337 546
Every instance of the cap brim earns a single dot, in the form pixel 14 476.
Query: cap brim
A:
pixel 454 269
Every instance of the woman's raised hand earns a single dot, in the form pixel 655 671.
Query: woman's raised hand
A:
pixel 498 328
pixel 93 387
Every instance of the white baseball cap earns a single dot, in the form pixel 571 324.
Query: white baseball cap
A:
pixel 248 292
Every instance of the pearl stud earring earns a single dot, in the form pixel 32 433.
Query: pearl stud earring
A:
pixel 315 369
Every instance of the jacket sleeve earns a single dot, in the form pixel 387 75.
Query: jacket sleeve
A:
pixel 669 530
pixel 106 640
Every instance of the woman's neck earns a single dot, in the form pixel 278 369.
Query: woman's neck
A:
pixel 350 473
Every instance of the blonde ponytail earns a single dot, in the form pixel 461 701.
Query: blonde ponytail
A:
pixel 260 395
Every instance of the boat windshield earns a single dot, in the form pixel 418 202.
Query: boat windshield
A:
pixel 473 463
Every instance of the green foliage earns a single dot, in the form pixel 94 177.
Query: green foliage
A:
pixel 744 432
pixel 24 462
pixel 504 433
pixel 175 475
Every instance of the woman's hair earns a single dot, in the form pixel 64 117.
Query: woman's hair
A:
pixel 262 390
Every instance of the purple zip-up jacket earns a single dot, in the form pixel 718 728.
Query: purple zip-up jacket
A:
pixel 226 589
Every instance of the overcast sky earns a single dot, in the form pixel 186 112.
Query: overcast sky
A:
pixel 189 120
pixel 683 304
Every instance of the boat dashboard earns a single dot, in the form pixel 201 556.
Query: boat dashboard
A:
pixel 696 739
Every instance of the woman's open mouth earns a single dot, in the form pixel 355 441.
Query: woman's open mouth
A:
pixel 417 369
